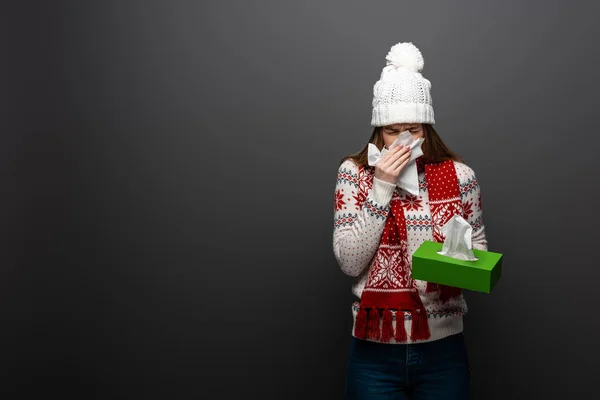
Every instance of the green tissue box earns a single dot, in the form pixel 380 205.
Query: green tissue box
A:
pixel 480 275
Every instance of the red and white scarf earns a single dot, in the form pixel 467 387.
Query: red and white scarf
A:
pixel 390 286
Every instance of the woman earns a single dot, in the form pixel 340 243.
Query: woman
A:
pixel 407 334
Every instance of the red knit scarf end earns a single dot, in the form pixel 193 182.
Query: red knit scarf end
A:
pixel 367 325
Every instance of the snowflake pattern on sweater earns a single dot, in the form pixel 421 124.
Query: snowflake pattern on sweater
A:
pixel 359 222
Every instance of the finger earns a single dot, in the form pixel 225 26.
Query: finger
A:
pixel 398 171
pixel 394 153
pixel 402 153
pixel 400 162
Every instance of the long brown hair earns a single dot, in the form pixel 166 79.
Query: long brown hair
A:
pixel 434 148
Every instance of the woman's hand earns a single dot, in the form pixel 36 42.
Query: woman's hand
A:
pixel 392 163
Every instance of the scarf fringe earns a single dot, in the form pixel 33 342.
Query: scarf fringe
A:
pixel 368 321
pixel 360 326
pixel 420 326
pixel 401 335
pixel 387 328
pixel 373 331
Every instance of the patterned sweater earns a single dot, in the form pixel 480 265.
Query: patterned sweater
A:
pixel 358 228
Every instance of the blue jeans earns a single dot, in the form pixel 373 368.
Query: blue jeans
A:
pixel 437 370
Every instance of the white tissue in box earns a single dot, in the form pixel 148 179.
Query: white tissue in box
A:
pixel 457 244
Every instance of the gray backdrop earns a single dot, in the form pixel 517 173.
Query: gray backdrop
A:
pixel 168 170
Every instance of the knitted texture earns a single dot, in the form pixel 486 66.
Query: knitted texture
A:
pixel 402 94
pixel 359 220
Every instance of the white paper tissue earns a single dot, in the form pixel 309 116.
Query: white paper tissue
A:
pixel 409 178
pixel 457 243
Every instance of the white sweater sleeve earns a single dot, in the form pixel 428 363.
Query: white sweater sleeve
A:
pixel 470 193
pixel 358 225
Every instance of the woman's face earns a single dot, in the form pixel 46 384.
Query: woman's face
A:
pixel 391 132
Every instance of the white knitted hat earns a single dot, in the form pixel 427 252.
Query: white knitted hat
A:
pixel 402 94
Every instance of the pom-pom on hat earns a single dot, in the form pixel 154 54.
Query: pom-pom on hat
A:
pixel 402 94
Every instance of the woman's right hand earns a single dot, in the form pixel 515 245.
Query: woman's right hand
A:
pixel 392 163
